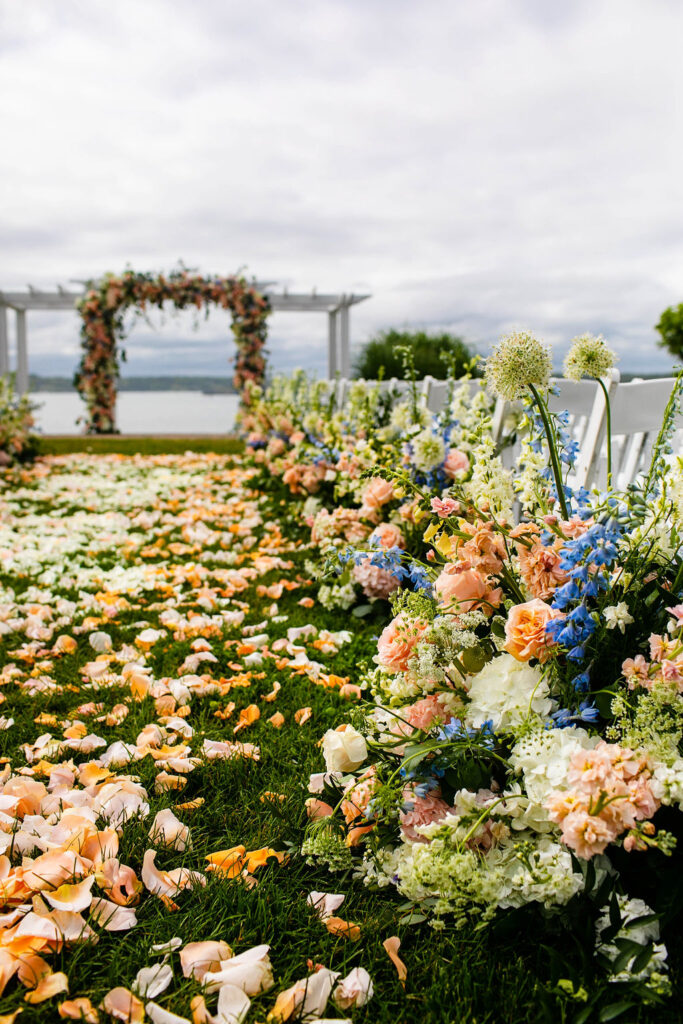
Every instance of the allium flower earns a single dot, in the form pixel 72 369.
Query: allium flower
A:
pixel 517 361
pixel 589 356
pixel 428 451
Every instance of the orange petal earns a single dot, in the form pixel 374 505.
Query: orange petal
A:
pixel 248 716
pixel 49 985
pixel 9 1018
pixel 277 720
pixel 392 947
pixel 227 862
pixel 337 926
pixel 79 1009
pixel 123 1005
pixel 303 715
pixel 257 858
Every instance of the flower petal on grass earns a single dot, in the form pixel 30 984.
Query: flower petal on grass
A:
pixel 49 985
pixel 325 903
pixel 259 858
pixel 111 916
pixel 233 1005
pixel 152 981
pixel 71 897
pixel 196 958
pixel 227 862
pixel 158 1015
pixel 79 1009
pixel 168 831
pixel 347 930
pixel 392 946
pixel 167 884
pixel 251 971
pixel 356 989
pixel 121 1004
pixel 306 997
pixel 167 947
pixel 277 720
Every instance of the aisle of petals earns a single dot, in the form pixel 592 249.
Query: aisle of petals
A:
pixel 147 666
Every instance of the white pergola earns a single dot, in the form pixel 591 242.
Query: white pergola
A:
pixel 337 308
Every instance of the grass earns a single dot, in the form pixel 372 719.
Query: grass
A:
pixel 470 976
pixel 117 444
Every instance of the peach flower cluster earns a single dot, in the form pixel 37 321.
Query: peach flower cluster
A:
pixel 666 665
pixel 342 522
pixel 610 793
pixel 539 565
pixel 397 643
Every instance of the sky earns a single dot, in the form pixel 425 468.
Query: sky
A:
pixel 476 167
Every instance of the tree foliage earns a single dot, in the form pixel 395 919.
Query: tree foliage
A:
pixel 433 354
pixel 670 327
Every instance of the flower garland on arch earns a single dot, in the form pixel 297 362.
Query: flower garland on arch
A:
pixel 105 302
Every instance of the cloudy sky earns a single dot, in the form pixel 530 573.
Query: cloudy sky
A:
pixel 478 166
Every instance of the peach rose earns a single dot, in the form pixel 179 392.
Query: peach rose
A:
pixel 461 589
pixel 525 635
pixel 377 493
pixel 388 535
pixel 456 462
pixel 397 642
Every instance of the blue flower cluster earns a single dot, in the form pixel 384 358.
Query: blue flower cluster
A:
pixel 587 560
pixel 391 560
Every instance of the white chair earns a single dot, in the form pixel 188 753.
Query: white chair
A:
pixel 434 393
pixel 637 410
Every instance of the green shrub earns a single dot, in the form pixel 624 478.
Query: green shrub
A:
pixel 434 354
pixel 670 327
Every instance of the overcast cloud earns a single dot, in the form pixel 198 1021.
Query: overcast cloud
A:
pixel 474 165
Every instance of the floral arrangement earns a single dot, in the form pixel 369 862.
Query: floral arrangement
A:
pixel 323 458
pixel 102 311
pixel 17 442
pixel 521 747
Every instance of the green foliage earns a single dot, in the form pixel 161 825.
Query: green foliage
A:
pixel 17 442
pixel 670 327
pixel 437 355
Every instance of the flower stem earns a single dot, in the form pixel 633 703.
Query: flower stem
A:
pixel 552 447
pixel 609 432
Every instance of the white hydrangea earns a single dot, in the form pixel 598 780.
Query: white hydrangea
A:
pixel 464 882
pixel 543 758
pixel 337 596
pixel 656 967
pixel 667 782
pixel 506 692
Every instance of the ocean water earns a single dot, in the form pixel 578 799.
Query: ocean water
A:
pixel 142 412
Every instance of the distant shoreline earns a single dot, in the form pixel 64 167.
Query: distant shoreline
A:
pixel 207 385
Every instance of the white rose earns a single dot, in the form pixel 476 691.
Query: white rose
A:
pixel 344 749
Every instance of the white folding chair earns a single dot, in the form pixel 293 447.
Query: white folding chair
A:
pixel 637 411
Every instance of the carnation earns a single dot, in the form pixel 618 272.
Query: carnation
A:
pixel 588 356
pixel 516 362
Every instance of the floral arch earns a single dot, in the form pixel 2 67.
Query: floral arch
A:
pixel 102 310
